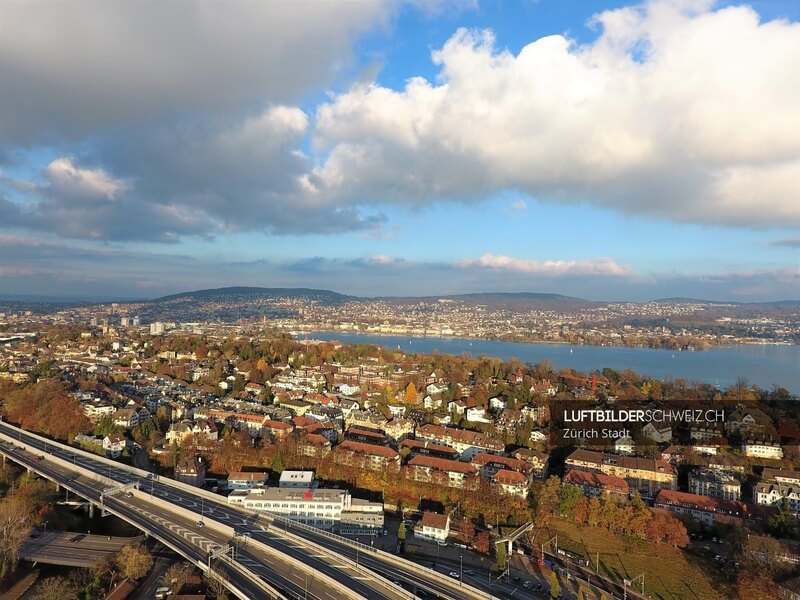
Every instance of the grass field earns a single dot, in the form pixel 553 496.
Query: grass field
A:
pixel 669 574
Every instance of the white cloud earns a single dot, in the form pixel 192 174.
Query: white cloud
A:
pixel 675 111
pixel 66 179
pixel 499 262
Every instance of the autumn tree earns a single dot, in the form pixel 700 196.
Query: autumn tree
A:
pixel 216 586
pixel 176 576
pixel 466 531
pixel 756 585
pixel 14 528
pixel 410 396
pixel 482 542
pixel 56 588
pixel 134 561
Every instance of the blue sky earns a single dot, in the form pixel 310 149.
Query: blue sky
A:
pixel 606 150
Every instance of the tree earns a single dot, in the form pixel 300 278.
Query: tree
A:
pixel 15 521
pixel 410 396
pixel 466 531
pixel 555 588
pixel 482 542
pixel 134 562
pixel 176 576
pixel 502 556
pixel 56 588
pixel 401 532
pixel 782 522
pixel 756 585
pixel 216 587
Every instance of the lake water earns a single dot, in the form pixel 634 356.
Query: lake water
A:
pixel 763 365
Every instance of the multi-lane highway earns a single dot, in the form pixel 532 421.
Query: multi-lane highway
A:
pixel 71 549
pixel 301 562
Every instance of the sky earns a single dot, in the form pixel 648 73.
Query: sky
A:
pixel 599 149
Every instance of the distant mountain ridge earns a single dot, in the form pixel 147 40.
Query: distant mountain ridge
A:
pixel 239 291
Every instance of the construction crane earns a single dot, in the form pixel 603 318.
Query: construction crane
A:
pixel 593 380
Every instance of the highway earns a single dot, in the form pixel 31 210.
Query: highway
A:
pixel 70 548
pixel 311 560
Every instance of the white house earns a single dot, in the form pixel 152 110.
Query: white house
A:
pixel 113 445
pixel 477 414
pixel 497 404
pixel 660 434
pixel 433 527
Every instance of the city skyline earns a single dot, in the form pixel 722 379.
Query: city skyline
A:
pixel 603 150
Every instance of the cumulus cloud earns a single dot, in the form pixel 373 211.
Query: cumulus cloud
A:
pixel 194 178
pixel 674 111
pixel 67 180
pixel 75 69
pixel 557 268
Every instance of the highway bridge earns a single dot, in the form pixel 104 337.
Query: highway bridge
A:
pixel 71 549
pixel 256 555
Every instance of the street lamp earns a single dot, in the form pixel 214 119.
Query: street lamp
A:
pixel 461 569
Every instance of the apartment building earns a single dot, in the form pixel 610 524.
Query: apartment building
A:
pixel 776 486
pixel 715 484
pixel 468 443
pixel 762 448
pixel 702 509
pixel 490 464
pixel 366 456
pixel 597 484
pixel 450 473
pixel 646 475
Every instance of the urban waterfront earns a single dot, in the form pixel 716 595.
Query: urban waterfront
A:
pixel 763 365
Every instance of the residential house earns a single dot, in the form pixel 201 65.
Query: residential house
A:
pixel 114 445
pixel 658 433
pixel 125 417
pixel 247 480
pixel 433 527
pixel 191 470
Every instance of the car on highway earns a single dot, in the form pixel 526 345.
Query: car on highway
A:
pixel 527 585
pixel 200 524
pixel 469 572
pixel 454 574
pixel 77 538
pixel 128 495
pixel 38 458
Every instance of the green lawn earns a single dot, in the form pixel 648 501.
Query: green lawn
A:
pixel 669 574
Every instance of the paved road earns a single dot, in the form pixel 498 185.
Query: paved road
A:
pixel 58 547
pixel 195 541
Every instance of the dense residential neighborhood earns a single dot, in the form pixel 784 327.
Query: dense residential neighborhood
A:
pixel 344 437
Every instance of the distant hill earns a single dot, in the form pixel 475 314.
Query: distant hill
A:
pixel 239 293
pixel 682 300
pixel 511 300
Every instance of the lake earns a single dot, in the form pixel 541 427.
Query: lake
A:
pixel 763 365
